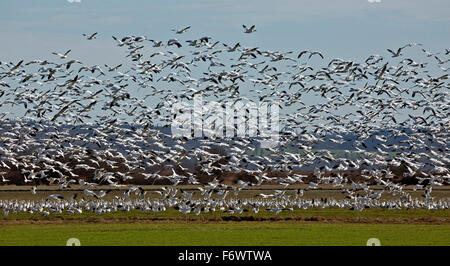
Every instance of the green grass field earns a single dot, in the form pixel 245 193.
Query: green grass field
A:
pixel 329 227
pixel 313 226
pixel 242 233
pixel 328 213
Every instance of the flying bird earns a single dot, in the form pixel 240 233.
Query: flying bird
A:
pixel 182 30
pixel 90 37
pixel 249 30
pixel 62 56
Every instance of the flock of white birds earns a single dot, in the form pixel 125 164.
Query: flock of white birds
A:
pixel 91 125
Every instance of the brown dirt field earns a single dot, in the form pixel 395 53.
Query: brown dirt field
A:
pixel 229 218
pixel 10 192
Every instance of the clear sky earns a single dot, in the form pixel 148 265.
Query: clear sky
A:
pixel 349 29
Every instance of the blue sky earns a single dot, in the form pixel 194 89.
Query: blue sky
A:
pixel 349 29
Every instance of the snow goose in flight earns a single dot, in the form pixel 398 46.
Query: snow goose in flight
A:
pixel 395 54
pixel 174 42
pixel 55 196
pixel 182 30
pixel 4 180
pixel 62 56
pixel 119 42
pixel 249 30
pixel 311 53
pixel 90 37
